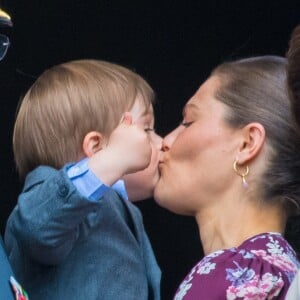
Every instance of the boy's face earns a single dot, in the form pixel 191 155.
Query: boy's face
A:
pixel 140 185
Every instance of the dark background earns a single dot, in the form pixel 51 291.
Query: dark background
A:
pixel 172 44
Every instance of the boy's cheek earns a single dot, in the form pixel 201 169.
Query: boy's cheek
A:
pixel 140 185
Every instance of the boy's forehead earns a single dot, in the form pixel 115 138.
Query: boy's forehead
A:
pixel 142 104
pixel 142 112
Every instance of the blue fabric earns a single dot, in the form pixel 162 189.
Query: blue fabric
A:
pixel 86 181
pixel 88 184
pixel 63 246
pixel 5 273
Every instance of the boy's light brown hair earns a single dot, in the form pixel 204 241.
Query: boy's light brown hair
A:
pixel 68 101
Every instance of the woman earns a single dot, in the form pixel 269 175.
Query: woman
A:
pixel 233 164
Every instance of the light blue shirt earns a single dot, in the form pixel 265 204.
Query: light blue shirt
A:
pixel 89 185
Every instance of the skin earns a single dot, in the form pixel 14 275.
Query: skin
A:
pixel 131 152
pixel 140 185
pixel 197 177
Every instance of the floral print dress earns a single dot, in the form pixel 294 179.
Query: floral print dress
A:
pixel 262 267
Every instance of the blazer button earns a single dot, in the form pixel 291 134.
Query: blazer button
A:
pixel 63 191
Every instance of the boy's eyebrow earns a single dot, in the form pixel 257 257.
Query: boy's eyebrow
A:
pixel 148 116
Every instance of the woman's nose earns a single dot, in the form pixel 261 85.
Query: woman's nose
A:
pixel 169 139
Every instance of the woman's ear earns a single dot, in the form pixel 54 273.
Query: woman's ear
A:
pixel 253 138
pixel 92 143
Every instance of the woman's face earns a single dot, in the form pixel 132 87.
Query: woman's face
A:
pixel 197 158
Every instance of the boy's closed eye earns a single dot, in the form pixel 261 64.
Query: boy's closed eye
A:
pixel 149 129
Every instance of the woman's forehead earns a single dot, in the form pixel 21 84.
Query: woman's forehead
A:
pixel 202 96
pixel 191 105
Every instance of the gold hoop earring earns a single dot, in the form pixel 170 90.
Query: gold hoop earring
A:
pixel 243 175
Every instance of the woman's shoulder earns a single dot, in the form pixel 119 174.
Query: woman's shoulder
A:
pixel 264 264
pixel 269 248
pixel 265 249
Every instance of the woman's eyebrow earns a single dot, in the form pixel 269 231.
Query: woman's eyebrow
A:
pixel 190 106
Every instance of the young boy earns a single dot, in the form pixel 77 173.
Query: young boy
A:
pixel 73 233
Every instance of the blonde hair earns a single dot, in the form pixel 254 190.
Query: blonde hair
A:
pixel 68 101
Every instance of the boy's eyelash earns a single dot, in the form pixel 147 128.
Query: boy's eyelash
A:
pixel 186 124
pixel 149 129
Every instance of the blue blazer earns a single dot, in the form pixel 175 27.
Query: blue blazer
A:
pixel 6 292
pixel 63 246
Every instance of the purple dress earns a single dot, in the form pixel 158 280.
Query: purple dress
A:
pixel 262 267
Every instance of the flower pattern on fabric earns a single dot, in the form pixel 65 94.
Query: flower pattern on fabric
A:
pixel 267 287
pixel 261 268
pixel 239 276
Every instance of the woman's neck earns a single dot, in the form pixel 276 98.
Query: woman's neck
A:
pixel 229 224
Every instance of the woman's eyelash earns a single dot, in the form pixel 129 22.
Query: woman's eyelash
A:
pixel 186 124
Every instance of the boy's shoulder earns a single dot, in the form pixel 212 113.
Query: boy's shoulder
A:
pixel 43 173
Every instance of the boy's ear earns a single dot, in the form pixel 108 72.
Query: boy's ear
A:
pixel 253 138
pixel 92 143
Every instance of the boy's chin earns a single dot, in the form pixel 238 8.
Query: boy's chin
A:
pixel 139 194
pixel 140 186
